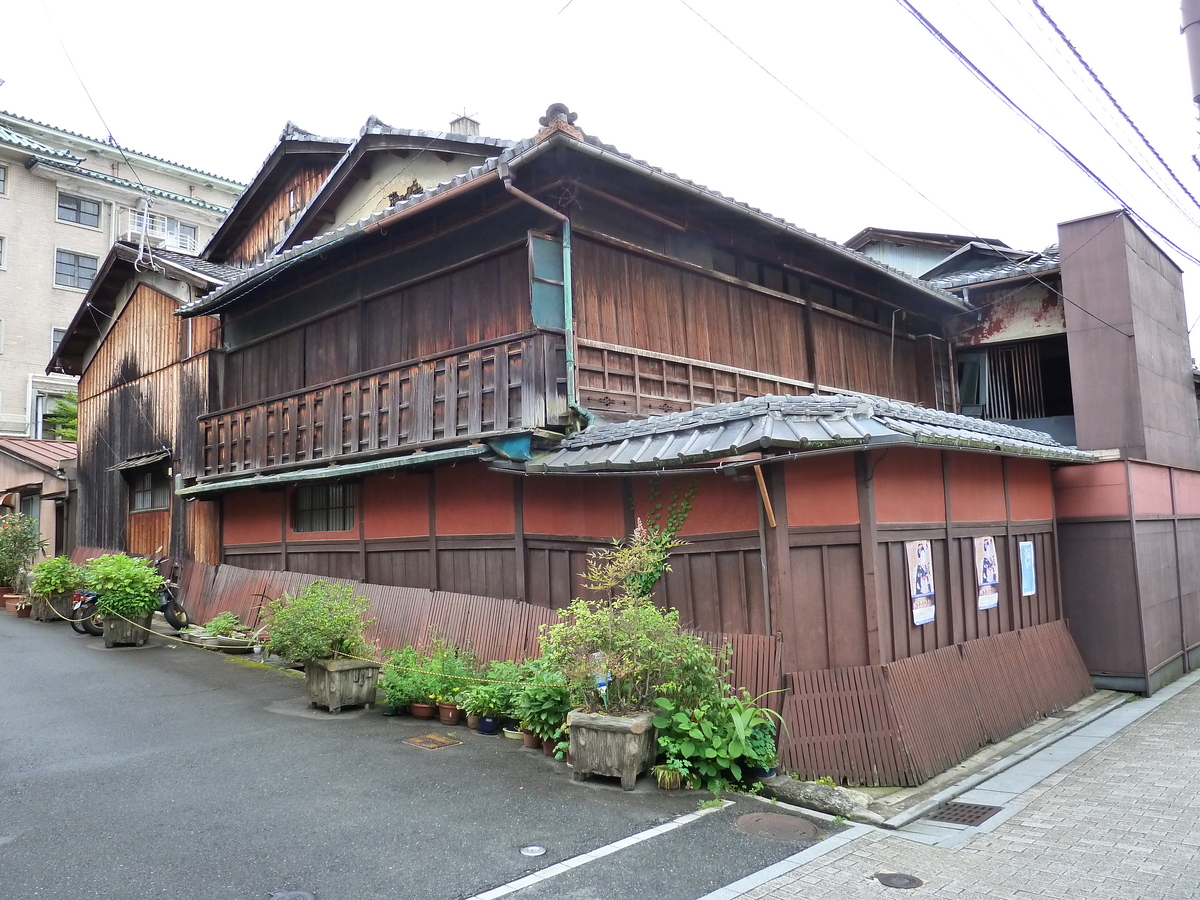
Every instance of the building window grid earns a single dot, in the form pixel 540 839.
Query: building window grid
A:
pixel 78 210
pixel 323 507
pixel 56 339
pixel 149 490
pixel 3 251
pixel 3 180
pixel 74 270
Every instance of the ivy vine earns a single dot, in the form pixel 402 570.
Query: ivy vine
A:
pixel 677 511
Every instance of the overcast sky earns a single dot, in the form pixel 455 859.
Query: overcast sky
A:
pixel 867 120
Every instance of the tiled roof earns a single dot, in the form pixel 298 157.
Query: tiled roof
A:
pixel 15 139
pixel 127 150
pixel 375 126
pixel 214 272
pixel 1034 264
pixel 515 155
pixel 133 185
pixel 787 424
pixel 43 454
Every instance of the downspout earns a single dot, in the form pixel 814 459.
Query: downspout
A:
pixel 506 178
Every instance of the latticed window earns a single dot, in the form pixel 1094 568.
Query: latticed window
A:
pixel 149 489
pixel 323 507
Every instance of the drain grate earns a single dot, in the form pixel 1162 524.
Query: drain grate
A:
pixel 969 814
pixel 898 880
pixel 432 741
pixel 776 826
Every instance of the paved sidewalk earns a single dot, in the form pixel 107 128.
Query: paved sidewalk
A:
pixel 1110 811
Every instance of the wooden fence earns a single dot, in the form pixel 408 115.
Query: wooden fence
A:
pixel 904 722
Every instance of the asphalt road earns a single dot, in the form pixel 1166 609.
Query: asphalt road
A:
pixel 172 772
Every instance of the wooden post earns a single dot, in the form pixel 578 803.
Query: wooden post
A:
pixel 868 542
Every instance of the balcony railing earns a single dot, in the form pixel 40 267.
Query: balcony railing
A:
pixel 486 389
pixel 160 231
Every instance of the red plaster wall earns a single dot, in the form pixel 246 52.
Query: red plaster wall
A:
pixel 396 506
pixel 822 490
pixel 976 488
pixel 908 486
pixel 473 500
pixel 1187 492
pixel 1151 490
pixel 721 504
pixel 1030 490
pixel 1094 491
pixel 251 517
pixel 573 506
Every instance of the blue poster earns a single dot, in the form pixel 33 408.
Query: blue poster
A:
pixel 1028 571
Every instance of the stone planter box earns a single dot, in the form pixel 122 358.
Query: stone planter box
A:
pixel 618 746
pixel 335 683
pixel 218 643
pixel 56 608
pixel 120 633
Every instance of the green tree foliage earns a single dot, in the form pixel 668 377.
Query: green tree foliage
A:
pixel 63 419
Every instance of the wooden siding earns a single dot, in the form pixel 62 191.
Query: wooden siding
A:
pixel 698 338
pixel 904 722
pixel 513 384
pixel 268 230
pixel 142 393
pixel 148 533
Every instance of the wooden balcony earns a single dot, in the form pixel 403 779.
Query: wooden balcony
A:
pixel 516 383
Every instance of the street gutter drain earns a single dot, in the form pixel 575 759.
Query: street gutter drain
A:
pixel 898 880
pixel 776 826
pixel 969 814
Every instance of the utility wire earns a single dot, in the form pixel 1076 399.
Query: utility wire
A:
pixel 901 178
pixel 1037 126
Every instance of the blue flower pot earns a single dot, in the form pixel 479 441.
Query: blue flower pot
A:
pixel 489 724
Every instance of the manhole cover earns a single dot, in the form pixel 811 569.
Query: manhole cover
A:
pixel 776 826
pixel 293 895
pixel 897 880
pixel 969 814
pixel 432 741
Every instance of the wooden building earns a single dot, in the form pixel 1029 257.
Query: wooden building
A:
pixel 469 389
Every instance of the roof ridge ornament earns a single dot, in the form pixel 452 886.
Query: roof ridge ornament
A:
pixel 558 118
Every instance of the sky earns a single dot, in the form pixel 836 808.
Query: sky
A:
pixel 832 115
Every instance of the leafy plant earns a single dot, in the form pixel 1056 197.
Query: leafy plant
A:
pixel 20 542
pixel 126 587
pixel 323 621
pixel 542 705
pixel 481 699
pixel 826 781
pixel 448 671
pixel 63 417
pixel 55 576
pixel 223 624
pixel 402 680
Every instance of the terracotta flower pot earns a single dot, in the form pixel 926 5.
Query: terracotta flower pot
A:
pixel 23 612
pixel 449 713
pixel 548 746
pixel 532 741
pixel 423 710
pixel 473 721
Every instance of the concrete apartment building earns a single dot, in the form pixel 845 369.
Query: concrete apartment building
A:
pixel 64 199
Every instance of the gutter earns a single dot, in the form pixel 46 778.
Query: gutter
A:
pixel 506 178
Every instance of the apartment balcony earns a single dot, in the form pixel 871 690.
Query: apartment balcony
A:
pixel 161 232
pixel 486 390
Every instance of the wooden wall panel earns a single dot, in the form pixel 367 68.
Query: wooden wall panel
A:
pixel 149 533
pixel 268 230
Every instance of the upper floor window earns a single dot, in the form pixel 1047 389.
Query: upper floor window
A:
pixel 323 507
pixel 56 338
pixel 78 210
pixel 2 249
pixel 149 489
pixel 162 230
pixel 3 179
pixel 74 270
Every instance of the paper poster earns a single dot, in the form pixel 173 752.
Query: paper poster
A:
pixel 987 572
pixel 920 580
pixel 1028 570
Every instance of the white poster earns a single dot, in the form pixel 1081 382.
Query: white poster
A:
pixel 920 580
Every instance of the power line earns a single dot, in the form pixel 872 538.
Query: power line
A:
pixel 896 174
pixel 1037 126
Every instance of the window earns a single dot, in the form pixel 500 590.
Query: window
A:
pixel 2 249
pixel 31 505
pixel 74 270
pixel 3 179
pixel 56 339
pixel 149 489
pixel 78 210
pixel 323 507
pixel 172 232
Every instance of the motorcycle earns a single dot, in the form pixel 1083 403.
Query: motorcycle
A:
pixel 85 618
pixel 168 597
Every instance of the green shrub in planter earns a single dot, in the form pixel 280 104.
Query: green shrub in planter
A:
pixel 402 679
pixel 323 621
pixel 56 576
pixel 127 587
pixel 542 705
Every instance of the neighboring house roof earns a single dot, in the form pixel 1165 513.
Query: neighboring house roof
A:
pixel 521 154
pixel 132 185
pixel 1028 265
pixel 41 454
pixel 377 136
pixel 924 238
pixel 15 139
pixel 787 424
pixel 124 261
pixel 295 147
pixel 110 143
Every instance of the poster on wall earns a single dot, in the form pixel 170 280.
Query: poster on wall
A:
pixel 1028 571
pixel 920 580
pixel 987 572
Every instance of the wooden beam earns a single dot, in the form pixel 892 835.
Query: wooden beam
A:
pixel 868 540
pixel 766 499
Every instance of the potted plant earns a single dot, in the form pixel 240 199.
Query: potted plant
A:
pixel 127 596
pixel 322 627
pixel 224 633
pixel 55 581
pixel 618 655
pixel 23 607
pixel 20 542
pixel 542 705
pixel 483 700
pixel 450 671
pixel 400 679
